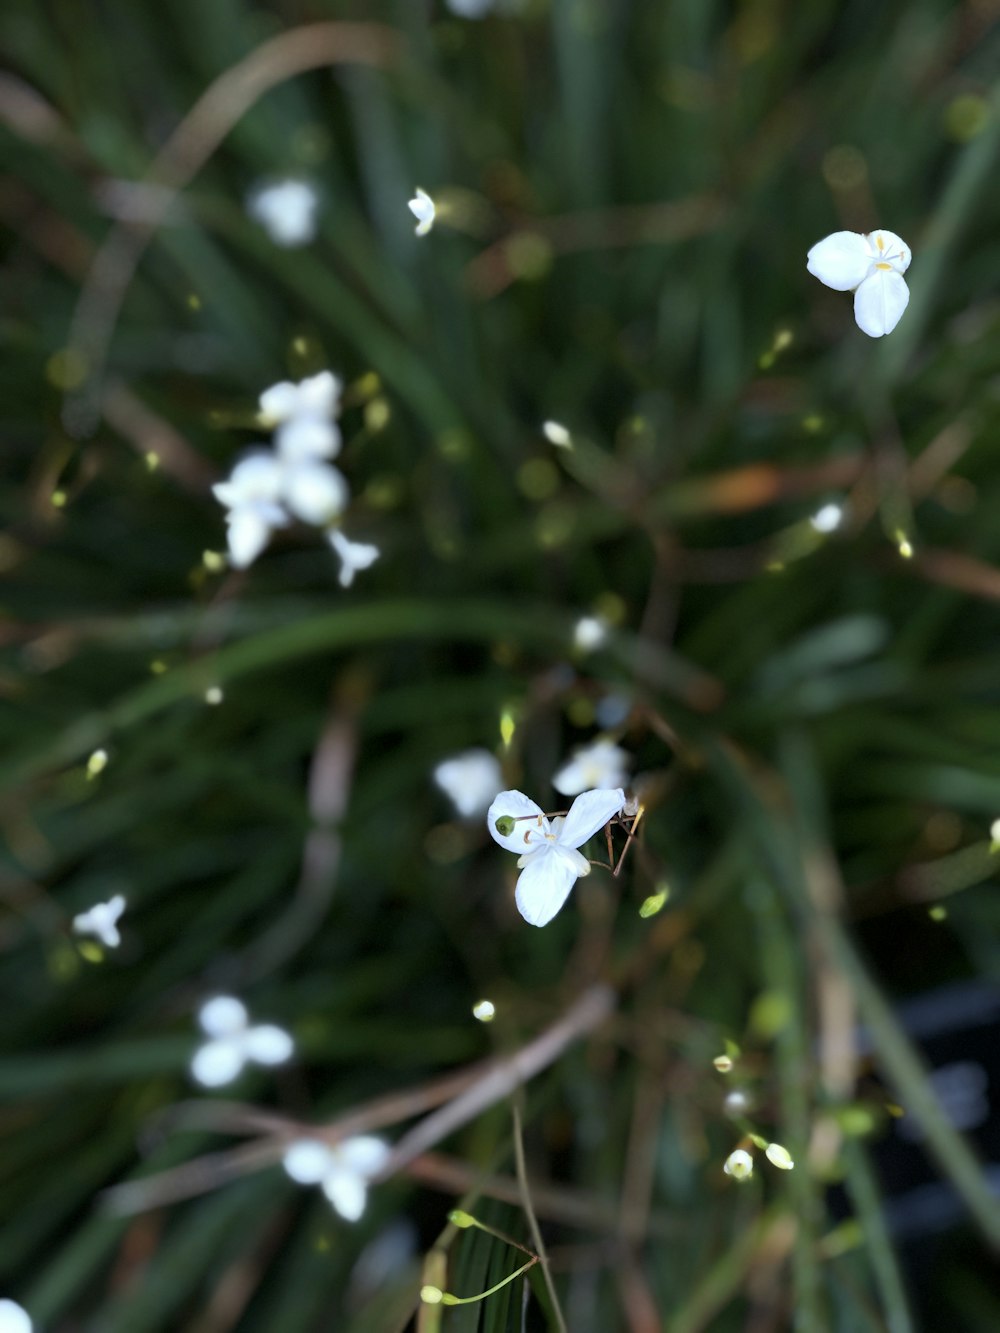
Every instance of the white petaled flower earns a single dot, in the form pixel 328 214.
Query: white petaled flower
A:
pixel 354 556
pixel 548 859
pixel 233 1043
pixel 590 632
pixel 343 1171
pixel 14 1318
pixel 601 764
pixel 101 920
pixel 470 780
pixel 872 267
pixel 739 1164
pixel 303 438
pixel 317 396
pixel 422 208
pixel 286 210
pixel 252 496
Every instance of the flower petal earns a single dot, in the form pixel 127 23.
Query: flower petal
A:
pixel 247 534
pixel 347 1191
pixel 893 249
pixel 14 1318
pixel 543 886
pixel 512 805
pixel 217 1062
pixel 880 301
pixel 315 491
pixel 841 261
pixel 471 780
pixel 222 1016
pixel 364 1154
pixel 308 1161
pixel 588 813
pixel 307 437
pixel 267 1044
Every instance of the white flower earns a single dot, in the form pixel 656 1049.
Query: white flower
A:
pixel 316 397
pixel 422 208
pixel 556 433
pixel 739 1164
pixel 314 491
pixel 470 780
pixel 343 1171
pixel 303 438
pixel 286 210
pixel 14 1318
pixel 354 556
pixel 547 850
pixel 779 1156
pixel 827 518
pixel 101 920
pixel 589 633
pixel 233 1042
pixel 252 496
pixel 872 267
pixel 601 764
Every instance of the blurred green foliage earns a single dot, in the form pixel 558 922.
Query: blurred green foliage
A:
pixel 626 195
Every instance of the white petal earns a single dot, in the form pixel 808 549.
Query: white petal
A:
pixel 287 211
pixel 364 1154
pixel 308 1161
pixel 840 261
pixel 543 886
pixel 880 301
pixel 348 1193
pixel 319 395
pixel 315 492
pixel 588 813
pixel 307 437
pixel 247 534
pixel 223 1016
pixel 893 249
pixel 217 1062
pixel 602 764
pixel 257 476
pixel 471 780
pixel 512 805
pixel 422 208
pixel 267 1044
pixel 14 1318
pixel 279 402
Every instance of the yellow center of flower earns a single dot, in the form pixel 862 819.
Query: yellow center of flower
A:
pixel 885 266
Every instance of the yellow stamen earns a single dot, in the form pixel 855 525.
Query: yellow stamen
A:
pixel 887 267
pixel 879 242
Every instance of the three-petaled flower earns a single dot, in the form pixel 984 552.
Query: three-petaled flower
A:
pixel 872 267
pixel 342 1171
pixel 233 1043
pixel 286 210
pixel 548 859
pixel 600 764
pixel 101 920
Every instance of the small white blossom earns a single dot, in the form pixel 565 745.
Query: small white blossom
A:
pixel 286 210
pixel 233 1042
pixel 317 397
pixel 872 267
pixel 589 633
pixel 102 920
pixel 779 1156
pixel 470 780
pixel 343 1171
pixel 252 497
pixel 601 764
pixel 422 208
pixel 739 1165
pixel 827 518
pixel 556 433
pixel 14 1318
pixel 548 859
pixel 354 556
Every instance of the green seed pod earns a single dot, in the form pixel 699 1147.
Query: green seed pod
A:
pixel 505 825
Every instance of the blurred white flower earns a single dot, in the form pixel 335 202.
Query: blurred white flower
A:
pixel 343 1171
pixel 600 764
pixel 739 1165
pixel 470 780
pixel 827 518
pixel 252 497
pixel 101 920
pixel 14 1318
pixel 589 633
pixel 422 208
pixel 872 267
pixel 286 210
pixel 233 1043
pixel 354 556
pixel 548 858
pixel 317 396
pixel 779 1156
pixel 556 433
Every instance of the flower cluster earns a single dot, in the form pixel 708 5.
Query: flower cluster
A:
pixel 296 479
